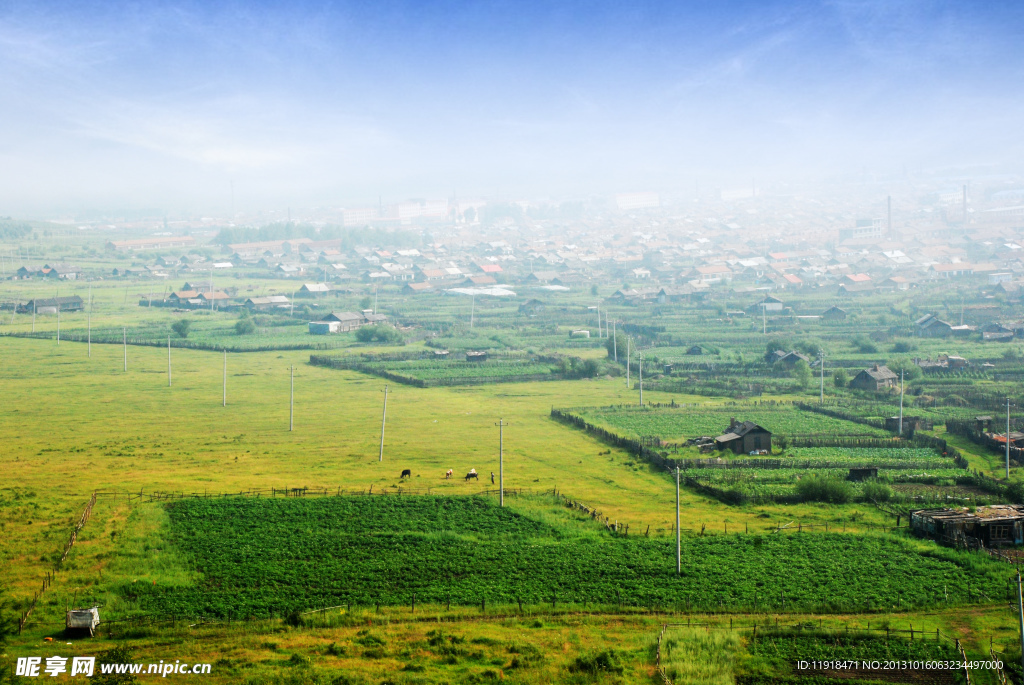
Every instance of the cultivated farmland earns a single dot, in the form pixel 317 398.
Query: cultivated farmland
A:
pixel 262 557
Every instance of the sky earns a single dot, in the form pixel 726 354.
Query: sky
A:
pixel 183 106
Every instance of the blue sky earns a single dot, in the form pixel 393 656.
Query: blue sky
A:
pixel 165 104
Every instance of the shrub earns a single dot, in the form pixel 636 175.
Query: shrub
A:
pixel 120 654
pixel 1015 492
pixel 379 333
pixel 821 489
pixel 181 328
pixel 245 326
pixel 599 663
pixel 802 374
pixel 840 378
pixel 864 345
pixel 877 492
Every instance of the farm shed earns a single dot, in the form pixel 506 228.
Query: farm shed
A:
pixel 71 303
pixel 415 288
pixel 744 437
pixel 999 525
pixel 476 356
pixel 929 326
pixel 876 378
pixel 83 619
pixel 768 304
pixel 531 307
pixel 834 313
pixel 313 290
pixel 695 350
pixel 349 321
pixel 268 302
pixel 788 358
pixel 862 474
pixel 324 327
pixel 910 423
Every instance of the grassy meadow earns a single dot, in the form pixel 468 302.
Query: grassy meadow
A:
pixel 73 424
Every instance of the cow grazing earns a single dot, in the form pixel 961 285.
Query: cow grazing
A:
pixel 473 475
pixel 448 474
pixel 406 473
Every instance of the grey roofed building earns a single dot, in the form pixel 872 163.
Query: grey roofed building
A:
pixel 744 437
pixel 69 303
pixel 349 320
pixel 876 378
pixel 267 302
pixel 930 326
pixel 313 290
pixel 834 313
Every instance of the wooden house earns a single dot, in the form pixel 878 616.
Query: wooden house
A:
pixel 744 437
pixel 313 290
pixel 349 321
pixel 834 313
pixel 929 326
pixel 876 378
pixel 50 305
pixel 999 525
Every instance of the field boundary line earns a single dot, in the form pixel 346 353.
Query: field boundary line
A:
pixel 50 575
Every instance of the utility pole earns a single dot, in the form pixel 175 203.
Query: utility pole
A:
pixel 124 337
pixel 764 319
pixel 901 402
pixel 375 299
pixel 615 341
pixel 598 320
pixel 1020 609
pixel 679 549
pixel 383 420
pixel 627 361
pixel 168 361
pixel 224 395
pixel 1007 438
pixel 58 324
pixel 33 316
pixel 472 309
pixel 291 401
pixel 641 355
pixel 88 324
pixel 501 461
pixel 821 359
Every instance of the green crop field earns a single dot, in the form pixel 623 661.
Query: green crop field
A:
pixel 74 424
pixel 259 557
pixel 680 423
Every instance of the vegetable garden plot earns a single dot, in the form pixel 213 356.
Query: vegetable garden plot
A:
pixel 263 557
pixel 681 423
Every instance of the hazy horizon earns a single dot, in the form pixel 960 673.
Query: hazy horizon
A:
pixel 168 105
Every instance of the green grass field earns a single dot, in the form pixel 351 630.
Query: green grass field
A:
pixel 73 424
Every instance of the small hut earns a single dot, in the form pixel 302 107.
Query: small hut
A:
pixel 83 619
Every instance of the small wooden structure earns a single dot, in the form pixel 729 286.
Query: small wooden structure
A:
pixel 476 356
pixel 862 474
pixel 878 377
pixel 910 423
pixel 324 327
pixel 999 525
pixel 83 619
pixel 744 437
